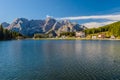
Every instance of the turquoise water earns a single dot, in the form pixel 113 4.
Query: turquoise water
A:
pixel 59 60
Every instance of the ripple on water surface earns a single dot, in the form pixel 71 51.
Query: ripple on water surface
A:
pixel 59 60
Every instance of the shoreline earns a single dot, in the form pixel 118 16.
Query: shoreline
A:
pixel 73 39
pixel 64 39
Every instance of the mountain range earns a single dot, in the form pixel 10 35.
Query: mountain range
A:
pixel 49 25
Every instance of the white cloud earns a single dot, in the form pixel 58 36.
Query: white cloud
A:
pixel 97 24
pixel 108 17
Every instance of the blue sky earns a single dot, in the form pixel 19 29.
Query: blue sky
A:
pixel 38 9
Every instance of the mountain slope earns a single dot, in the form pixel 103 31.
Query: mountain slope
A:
pixel 111 29
pixel 30 27
pixel 5 25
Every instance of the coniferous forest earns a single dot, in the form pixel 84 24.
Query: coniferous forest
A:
pixel 111 29
pixel 6 34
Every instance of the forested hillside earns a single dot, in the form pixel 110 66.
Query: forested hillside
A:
pixel 111 29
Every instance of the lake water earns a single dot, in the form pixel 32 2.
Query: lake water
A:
pixel 59 60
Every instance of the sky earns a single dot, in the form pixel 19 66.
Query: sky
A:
pixel 92 13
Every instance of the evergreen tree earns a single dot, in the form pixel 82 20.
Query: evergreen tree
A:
pixel 6 34
pixel 1 33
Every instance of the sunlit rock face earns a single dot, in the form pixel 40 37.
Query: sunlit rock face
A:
pixel 31 27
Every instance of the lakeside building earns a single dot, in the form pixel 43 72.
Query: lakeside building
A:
pixel 80 34
pixel 101 36
pixel 94 37
pixel 112 37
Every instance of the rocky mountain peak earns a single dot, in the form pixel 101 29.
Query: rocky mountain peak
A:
pixel 31 27
pixel 5 24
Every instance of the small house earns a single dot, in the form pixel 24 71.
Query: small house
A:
pixel 94 37
pixel 101 36
pixel 80 34
pixel 112 37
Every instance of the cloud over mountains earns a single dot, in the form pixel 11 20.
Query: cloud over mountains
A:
pixel 97 24
pixel 107 17
pixel 110 18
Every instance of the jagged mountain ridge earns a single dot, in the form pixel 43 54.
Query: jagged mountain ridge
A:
pixel 31 27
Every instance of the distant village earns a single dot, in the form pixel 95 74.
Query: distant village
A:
pixel 99 36
pixel 82 35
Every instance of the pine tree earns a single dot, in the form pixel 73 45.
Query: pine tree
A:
pixel 1 33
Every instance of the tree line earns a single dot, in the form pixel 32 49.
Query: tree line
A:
pixel 6 34
pixel 69 34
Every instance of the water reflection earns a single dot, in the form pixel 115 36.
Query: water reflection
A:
pixel 60 60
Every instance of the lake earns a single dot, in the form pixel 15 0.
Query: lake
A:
pixel 59 60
